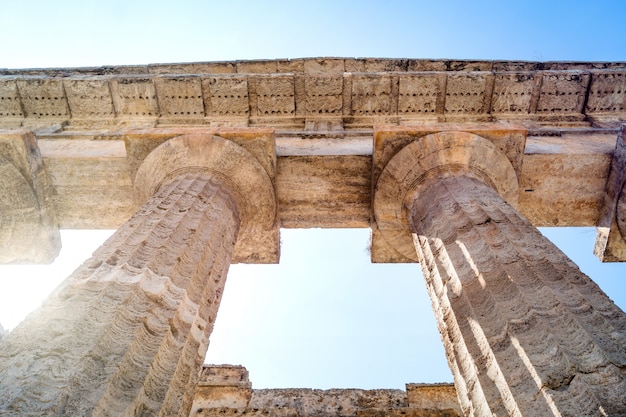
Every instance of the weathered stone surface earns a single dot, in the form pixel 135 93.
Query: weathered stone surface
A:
pixel 244 158
pixel 411 157
pixel 225 390
pixel 333 402
pixel 526 333
pixel 129 329
pixel 336 194
pixel 611 231
pixel 432 396
pixel 29 231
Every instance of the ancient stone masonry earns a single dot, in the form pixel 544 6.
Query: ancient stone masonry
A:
pixel 225 390
pixel 452 164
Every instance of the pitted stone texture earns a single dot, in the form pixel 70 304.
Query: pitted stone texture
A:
pixel 513 93
pixel 10 103
pixel 526 333
pixel 29 232
pixel 180 99
pixel 432 396
pixel 247 179
pixel 89 99
pixel 419 94
pixel 127 332
pixel 135 97
pixel 563 93
pixel 607 92
pixel 423 158
pixel 43 98
pixel 333 402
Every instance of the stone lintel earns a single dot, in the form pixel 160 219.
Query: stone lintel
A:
pixel 495 155
pixel 29 232
pixel 611 231
pixel 252 155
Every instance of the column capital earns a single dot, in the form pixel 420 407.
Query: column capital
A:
pixel 419 157
pixel 241 172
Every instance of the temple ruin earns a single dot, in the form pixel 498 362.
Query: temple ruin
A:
pixel 452 164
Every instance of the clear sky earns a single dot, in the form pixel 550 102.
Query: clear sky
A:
pixel 325 317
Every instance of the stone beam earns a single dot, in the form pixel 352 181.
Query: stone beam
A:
pixel 313 94
pixel 610 241
pixel 29 232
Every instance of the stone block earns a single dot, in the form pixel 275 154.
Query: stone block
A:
pixel 275 96
pixel 43 98
pixel 562 92
pixel 432 396
pixel 607 92
pixel 226 97
pixel 89 98
pixel 10 106
pixel 179 98
pixel 371 95
pixel 29 231
pixel 324 95
pixel 418 94
pixel 512 92
pixel 465 92
pixel 135 97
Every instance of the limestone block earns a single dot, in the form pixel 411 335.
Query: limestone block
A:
pixel 10 106
pixel 43 98
pixel 324 191
pixel 28 229
pixel 512 92
pixel 275 96
pixel 465 92
pixel 324 66
pixel 180 98
pixel 418 94
pixel 135 97
pixel 607 92
pixel 324 95
pixel 89 98
pixel 562 92
pixel 332 402
pixel 371 95
pixel 432 396
pixel 226 96
pixel 407 412
pixel 222 386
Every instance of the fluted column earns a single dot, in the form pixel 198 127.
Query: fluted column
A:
pixel 525 331
pixel 127 332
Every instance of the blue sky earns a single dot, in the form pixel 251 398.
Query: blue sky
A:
pixel 325 317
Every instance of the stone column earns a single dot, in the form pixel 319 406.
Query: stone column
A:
pixel 526 333
pixel 126 333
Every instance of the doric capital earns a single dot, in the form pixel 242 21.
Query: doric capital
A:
pixel 426 159
pixel 235 166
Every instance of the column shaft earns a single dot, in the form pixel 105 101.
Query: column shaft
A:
pixel 126 333
pixel 526 332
